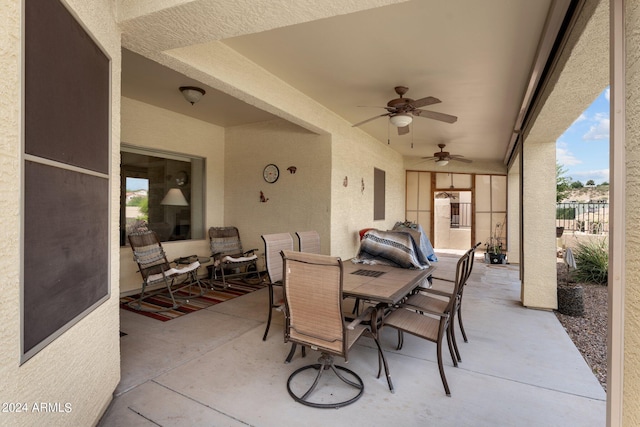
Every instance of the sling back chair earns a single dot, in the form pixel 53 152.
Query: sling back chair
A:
pixel 308 241
pixel 431 323
pixel 229 260
pixel 156 270
pixel 273 245
pixel 312 285
pixel 432 299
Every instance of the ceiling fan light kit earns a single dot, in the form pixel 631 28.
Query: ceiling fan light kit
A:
pixel 401 120
pixel 442 162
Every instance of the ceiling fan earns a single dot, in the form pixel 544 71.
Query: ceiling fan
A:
pixel 443 157
pixel 401 111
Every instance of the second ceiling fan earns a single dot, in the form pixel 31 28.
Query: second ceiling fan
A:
pixel 443 157
pixel 401 111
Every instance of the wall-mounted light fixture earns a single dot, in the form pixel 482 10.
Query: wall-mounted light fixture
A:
pixel 192 93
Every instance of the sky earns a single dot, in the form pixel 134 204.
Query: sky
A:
pixel 583 149
pixel 137 184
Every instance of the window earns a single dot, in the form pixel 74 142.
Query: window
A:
pixel 163 191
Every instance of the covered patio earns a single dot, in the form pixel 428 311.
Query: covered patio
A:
pixel 212 368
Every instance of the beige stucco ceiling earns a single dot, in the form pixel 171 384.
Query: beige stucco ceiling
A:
pixel 477 57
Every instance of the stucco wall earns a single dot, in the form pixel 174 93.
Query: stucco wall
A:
pixel 144 125
pixel 355 155
pixel 631 292
pixel 82 366
pixel 296 202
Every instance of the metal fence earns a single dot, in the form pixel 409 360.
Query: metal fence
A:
pixel 590 218
pixel 460 215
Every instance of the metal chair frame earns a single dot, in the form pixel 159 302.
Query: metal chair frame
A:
pixel 273 245
pixel 227 254
pixel 155 269
pixel 316 320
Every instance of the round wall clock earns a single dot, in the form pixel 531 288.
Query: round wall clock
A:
pixel 271 173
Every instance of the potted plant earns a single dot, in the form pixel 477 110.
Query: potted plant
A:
pixel 494 254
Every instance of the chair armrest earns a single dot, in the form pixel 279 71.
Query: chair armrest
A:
pixel 443 279
pixel 249 252
pixel 361 318
pixel 436 292
pixel 422 310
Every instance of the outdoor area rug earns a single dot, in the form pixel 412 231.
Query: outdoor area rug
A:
pixel 211 297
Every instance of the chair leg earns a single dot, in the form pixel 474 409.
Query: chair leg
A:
pixel 452 333
pixel 266 331
pixel 441 368
pixel 400 340
pixel 292 352
pixel 450 344
pixel 464 335
pixel 384 362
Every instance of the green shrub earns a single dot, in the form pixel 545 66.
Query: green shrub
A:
pixel 566 213
pixel 592 262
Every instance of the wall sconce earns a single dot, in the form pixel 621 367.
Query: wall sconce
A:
pixel 192 93
pixel 174 197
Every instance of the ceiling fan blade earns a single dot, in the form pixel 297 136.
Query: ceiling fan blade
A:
pixel 369 119
pixel 423 102
pixel 429 158
pixel 403 130
pixel 459 159
pixel 435 116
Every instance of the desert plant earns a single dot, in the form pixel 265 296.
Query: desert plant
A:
pixel 494 244
pixel 592 262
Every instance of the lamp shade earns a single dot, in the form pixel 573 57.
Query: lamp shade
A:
pixel 192 93
pixel 174 197
pixel 442 162
pixel 400 120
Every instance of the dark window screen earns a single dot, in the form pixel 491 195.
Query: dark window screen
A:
pixel 66 174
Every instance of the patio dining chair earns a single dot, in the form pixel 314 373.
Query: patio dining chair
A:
pixel 157 272
pixel 308 241
pixel 273 245
pixel 229 259
pixel 431 323
pixel 312 285
pixel 435 299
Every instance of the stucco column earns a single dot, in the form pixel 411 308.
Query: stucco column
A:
pixel 513 212
pixel 539 277
pixel 624 265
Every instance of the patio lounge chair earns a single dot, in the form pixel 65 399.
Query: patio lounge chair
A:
pixel 229 260
pixel 156 270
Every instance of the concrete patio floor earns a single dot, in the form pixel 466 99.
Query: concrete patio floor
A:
pixel 212 368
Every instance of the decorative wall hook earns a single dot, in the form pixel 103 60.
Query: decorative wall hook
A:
pixel 345 182
pixel 292 169
pixel 262 198
pixel 362 186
